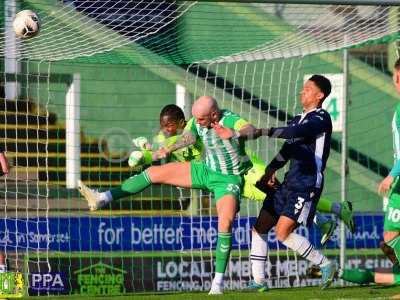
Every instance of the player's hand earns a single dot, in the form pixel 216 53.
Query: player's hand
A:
pixel 6 170
pixel 268 181
pixel 385 184
pixel 162 153
pixel 223 132
pixel 142 143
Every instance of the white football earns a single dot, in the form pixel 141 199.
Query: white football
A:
pixel 26 24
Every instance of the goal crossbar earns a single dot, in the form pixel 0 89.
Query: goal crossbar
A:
pixel 316 2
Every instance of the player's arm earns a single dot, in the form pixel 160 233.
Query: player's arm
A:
pixel 188 138
pixel 4 163
pixel 386 183
pixel 268 180
pixel 280 159
pixel 236 127
pixel 318 124
pixel 395 171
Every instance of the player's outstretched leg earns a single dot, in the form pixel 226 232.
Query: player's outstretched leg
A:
pixel 343 211
pixel 177 174
pixel 299 244
pixel 132 185
pixel 346 215
pixel 326 226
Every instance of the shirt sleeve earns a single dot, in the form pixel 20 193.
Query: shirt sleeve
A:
pixel 191 127
pixel 395 171
pixel 281 158
pixel 234 121
pixel 314 126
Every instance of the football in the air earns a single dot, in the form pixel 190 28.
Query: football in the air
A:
pixel 26 24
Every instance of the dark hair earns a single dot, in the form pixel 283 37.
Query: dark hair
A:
pixel 172 111
pixel 397 64
pixel 323 84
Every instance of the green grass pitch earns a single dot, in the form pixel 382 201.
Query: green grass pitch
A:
pixel 367 292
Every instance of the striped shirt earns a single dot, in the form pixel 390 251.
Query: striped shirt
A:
pixel 227 157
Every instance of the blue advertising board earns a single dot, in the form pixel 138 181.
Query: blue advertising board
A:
pixel 126 233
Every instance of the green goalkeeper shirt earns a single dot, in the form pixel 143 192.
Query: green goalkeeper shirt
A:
pixel 396 142
pixel 227 157
pixel 192 152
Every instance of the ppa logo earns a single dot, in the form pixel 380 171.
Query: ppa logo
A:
pixel 49 282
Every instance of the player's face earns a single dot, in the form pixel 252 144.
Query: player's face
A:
pixel 169 127
pixel 310 95
pixel 205 120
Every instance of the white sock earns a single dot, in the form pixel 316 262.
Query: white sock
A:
pixel 106 197
pixel 303 247
pixel 219 278
pixel 258 255
pixel 3 268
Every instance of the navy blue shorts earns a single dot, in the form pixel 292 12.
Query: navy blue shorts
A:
pixel 300 206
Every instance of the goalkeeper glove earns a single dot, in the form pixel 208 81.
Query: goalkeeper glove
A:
pixel 142 143
pixel 135 159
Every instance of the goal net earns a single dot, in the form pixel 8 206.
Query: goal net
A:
pixel 98 75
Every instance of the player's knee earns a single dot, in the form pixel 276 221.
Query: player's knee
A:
pixel 389 235
pixel 225 224
pixel 261 226
pixel 282 233
pixel 154 173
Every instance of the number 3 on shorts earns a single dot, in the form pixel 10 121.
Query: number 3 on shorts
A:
pixel 299 204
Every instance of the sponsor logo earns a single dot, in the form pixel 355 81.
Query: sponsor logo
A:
pixel 11 285
pixel 49 282
pixel 100 279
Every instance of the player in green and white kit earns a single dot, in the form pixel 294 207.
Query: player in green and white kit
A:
pixel 391 183
pixel 223 134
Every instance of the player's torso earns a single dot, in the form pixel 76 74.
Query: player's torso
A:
pixel 226 156
pixel 308 156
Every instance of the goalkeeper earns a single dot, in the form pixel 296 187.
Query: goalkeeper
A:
pixel 172 123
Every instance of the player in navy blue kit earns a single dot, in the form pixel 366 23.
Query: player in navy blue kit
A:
pixel 294 202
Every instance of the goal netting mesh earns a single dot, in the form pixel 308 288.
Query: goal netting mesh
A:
pixel 108 67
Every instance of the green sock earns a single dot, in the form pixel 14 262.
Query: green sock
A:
pixel 395 244
pixel 360 276
pixel 132 185
pixel 324 205
pixel 224 245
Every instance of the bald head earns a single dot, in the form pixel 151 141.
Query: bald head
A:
pixel 205 110
pixel 203 106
